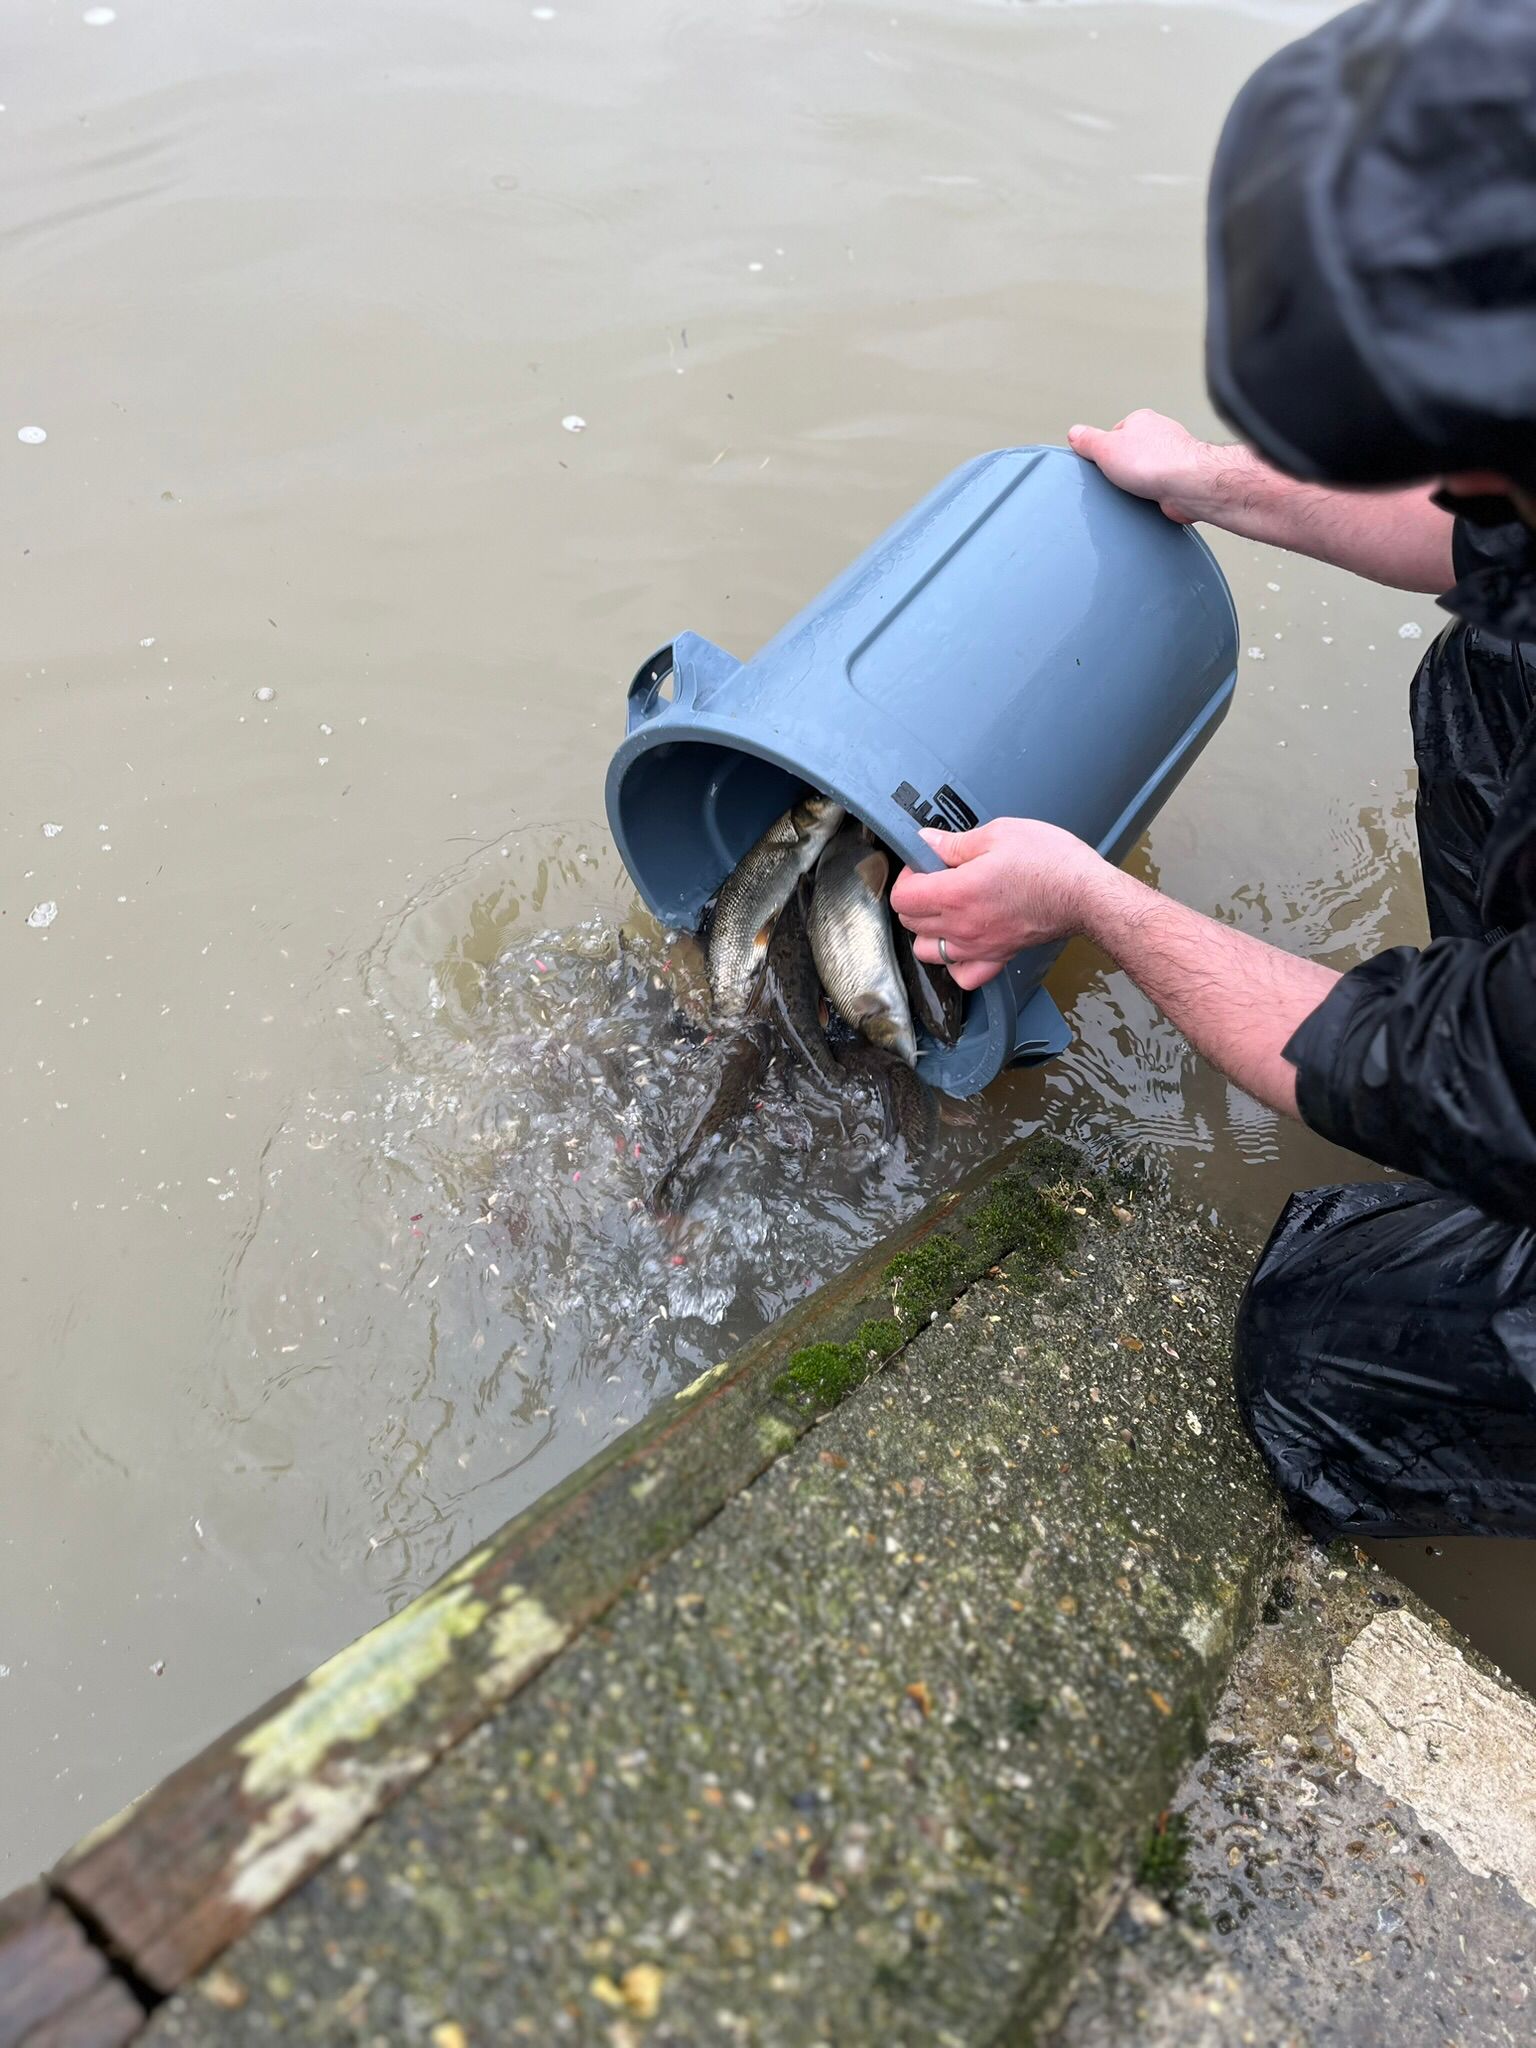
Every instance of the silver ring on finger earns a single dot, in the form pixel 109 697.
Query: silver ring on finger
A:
pixel 944 951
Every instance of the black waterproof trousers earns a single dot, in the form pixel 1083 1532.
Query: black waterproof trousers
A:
pixel 1386 1346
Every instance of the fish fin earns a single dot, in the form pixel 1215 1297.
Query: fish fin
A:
pixel 873 869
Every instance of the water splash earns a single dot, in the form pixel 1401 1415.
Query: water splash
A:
pixel 499 1299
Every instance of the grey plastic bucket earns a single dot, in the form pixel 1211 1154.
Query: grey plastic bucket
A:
pixel 1027 642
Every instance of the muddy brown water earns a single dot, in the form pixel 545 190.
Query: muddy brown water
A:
pixel 322 1088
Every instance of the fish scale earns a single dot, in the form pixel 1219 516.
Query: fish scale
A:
pixel 852 944
pixel 754 893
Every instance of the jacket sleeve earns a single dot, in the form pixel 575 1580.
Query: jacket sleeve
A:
pixel 1426 1061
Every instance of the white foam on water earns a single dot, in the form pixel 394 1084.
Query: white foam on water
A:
pixel 33 436
pixel 42 915
pixel 573 423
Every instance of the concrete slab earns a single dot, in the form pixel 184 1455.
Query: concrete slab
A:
pixel 865 1759
pixel 1361 1841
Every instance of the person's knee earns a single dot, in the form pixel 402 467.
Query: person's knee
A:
pixel 1270 1316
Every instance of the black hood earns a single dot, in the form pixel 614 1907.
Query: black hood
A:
pixel 1372 247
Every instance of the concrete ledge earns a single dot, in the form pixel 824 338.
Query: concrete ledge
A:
pixel 178 1875
pixel 864 1759
pixel 1353 1859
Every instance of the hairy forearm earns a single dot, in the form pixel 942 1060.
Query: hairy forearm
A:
pixel 1394 537
pixel 1235 999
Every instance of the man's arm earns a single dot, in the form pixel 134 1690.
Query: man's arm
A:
pixel 1394 537
pixel 1017 883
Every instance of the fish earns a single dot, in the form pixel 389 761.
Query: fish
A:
pixel 852 945
pixel 908 1106
pixel 754 893
pixel 734 1066
pixel 793 993
pixel 937 999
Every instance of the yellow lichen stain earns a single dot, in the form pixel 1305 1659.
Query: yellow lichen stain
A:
pixel 353 1694
pixel 775 1437
pixel 310 1821
pixel 638 1991
pixel 522 1633
pixel 697 1386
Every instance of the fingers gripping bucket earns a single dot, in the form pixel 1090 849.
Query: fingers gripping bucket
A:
pixel 1027 642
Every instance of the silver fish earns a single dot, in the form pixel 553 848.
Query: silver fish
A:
pixel 853 946
pixel 733 1069
pixel 938 1001
pixel 793 993
pixel 754 893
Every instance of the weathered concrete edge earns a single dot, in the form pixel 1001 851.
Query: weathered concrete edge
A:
pixel 1422 1749
pixel 974 1625
pixel 168 1883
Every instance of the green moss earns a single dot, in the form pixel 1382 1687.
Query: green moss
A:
pixel 1163 1868
pixel 825 1372
pixel 885 1338
pixel 1025 1716
pixel 926 1279
pixel 1016 1216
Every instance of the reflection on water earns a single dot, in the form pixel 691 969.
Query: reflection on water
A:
pixel 455 1289
pixel 1131 1086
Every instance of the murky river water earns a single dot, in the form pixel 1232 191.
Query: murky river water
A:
pixel 322 1089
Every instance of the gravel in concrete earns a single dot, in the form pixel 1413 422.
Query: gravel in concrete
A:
pixel 864 1760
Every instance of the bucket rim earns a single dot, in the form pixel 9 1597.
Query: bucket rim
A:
pixel 998 997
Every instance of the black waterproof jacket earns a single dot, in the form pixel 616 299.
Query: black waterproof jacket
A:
pixel 1426 1060
pixel 1372 320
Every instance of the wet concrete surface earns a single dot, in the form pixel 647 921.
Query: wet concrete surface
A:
pixel 864 1759
pixel 1316 1897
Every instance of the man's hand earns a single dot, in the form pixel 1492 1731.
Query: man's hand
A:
pixel 1395 537
pixel 1152 456
pixel 1010 884
pixel 1017 883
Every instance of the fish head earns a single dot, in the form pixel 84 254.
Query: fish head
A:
pixel 816 817
pixel 892 1033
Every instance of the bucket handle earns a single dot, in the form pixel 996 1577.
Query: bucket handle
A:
pixel 645 692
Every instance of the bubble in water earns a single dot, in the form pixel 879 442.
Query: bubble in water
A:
pixel 149 642
pixel 52 831
pixel 573 423
pixel 42 914
pixel 265 694
pixel 33 436
pixel 1410 630
pixel 1255 654
pixel 99 17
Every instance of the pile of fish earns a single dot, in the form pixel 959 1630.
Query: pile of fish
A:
pixel 802 915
